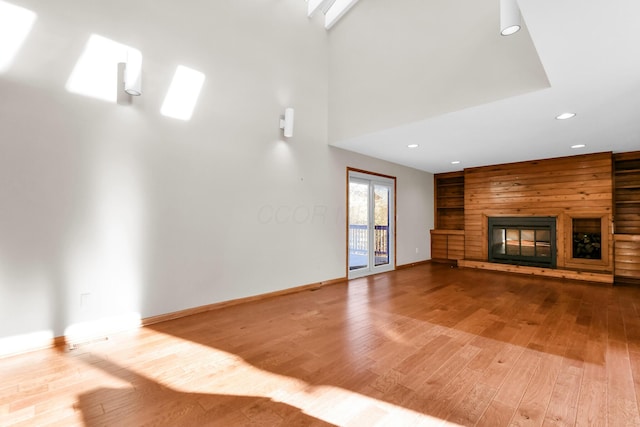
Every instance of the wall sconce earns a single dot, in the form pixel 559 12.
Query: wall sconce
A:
pixel 509 17
pixel 133 73
pixel 286 123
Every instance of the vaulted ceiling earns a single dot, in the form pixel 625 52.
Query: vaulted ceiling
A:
pixel 438 74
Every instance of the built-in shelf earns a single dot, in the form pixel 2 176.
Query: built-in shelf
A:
pixel 627 193
pixel 625 171
pixel 627 217
pixel 447 240
pixel 449 201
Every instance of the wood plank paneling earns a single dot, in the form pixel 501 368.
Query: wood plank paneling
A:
pixel 438 246
pixel 456 246
pixel 627 263
pixel 550 187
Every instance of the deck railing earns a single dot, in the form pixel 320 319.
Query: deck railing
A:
pixel 359 239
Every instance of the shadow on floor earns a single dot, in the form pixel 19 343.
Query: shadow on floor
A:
pixel 147 402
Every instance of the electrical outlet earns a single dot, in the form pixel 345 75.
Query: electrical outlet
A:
pixel 417 250
pixel 85 299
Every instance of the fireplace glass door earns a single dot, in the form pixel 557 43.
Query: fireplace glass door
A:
pixel 524 241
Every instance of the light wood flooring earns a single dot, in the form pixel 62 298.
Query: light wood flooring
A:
pixel 429 345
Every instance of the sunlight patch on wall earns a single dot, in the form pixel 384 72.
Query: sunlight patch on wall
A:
pixel 96 73
pixel 26 342
pixel 183 93
pixel 15 25
pixel 80 332
pixel 104 260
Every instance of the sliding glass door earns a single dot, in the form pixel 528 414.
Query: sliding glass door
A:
pixel 371 214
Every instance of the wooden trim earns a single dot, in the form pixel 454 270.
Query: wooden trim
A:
pixel 61 341
pixel 395 222
pixel 606 227
pixel 218 305
pixel 346 226
pixel 537 271
pixel 350 169
pixel 413 264
pixel 395 214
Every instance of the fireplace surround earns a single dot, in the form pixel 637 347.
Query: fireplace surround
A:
pixel 529 241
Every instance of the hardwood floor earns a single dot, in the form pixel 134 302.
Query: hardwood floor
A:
pixel 429 345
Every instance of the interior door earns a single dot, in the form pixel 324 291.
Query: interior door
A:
pixel 371 214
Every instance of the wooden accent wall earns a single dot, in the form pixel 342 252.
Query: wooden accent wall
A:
pixel 576 185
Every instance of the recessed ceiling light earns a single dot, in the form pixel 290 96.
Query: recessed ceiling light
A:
pixel 578 146
pixel 455 162
pixel 565 116
pixel 413 145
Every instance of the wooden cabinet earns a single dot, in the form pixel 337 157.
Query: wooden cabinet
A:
pixel 447 245
pixel 627 258
pixel 627 217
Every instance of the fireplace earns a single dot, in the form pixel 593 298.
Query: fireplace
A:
pixel 527 241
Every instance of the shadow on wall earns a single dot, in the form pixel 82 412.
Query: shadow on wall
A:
pixel 72 218
pixel 41 190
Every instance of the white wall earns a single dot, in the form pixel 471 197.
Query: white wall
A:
pixel 109 209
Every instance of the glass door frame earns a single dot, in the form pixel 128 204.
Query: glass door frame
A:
pixel 373 179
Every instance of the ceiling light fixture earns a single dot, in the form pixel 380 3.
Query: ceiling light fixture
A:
pixel 578 146
pixel 413 145
pixel 509 17
pixel 565 116
pixel 455 162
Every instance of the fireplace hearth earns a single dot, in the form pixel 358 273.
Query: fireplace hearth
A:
pixel 527 241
